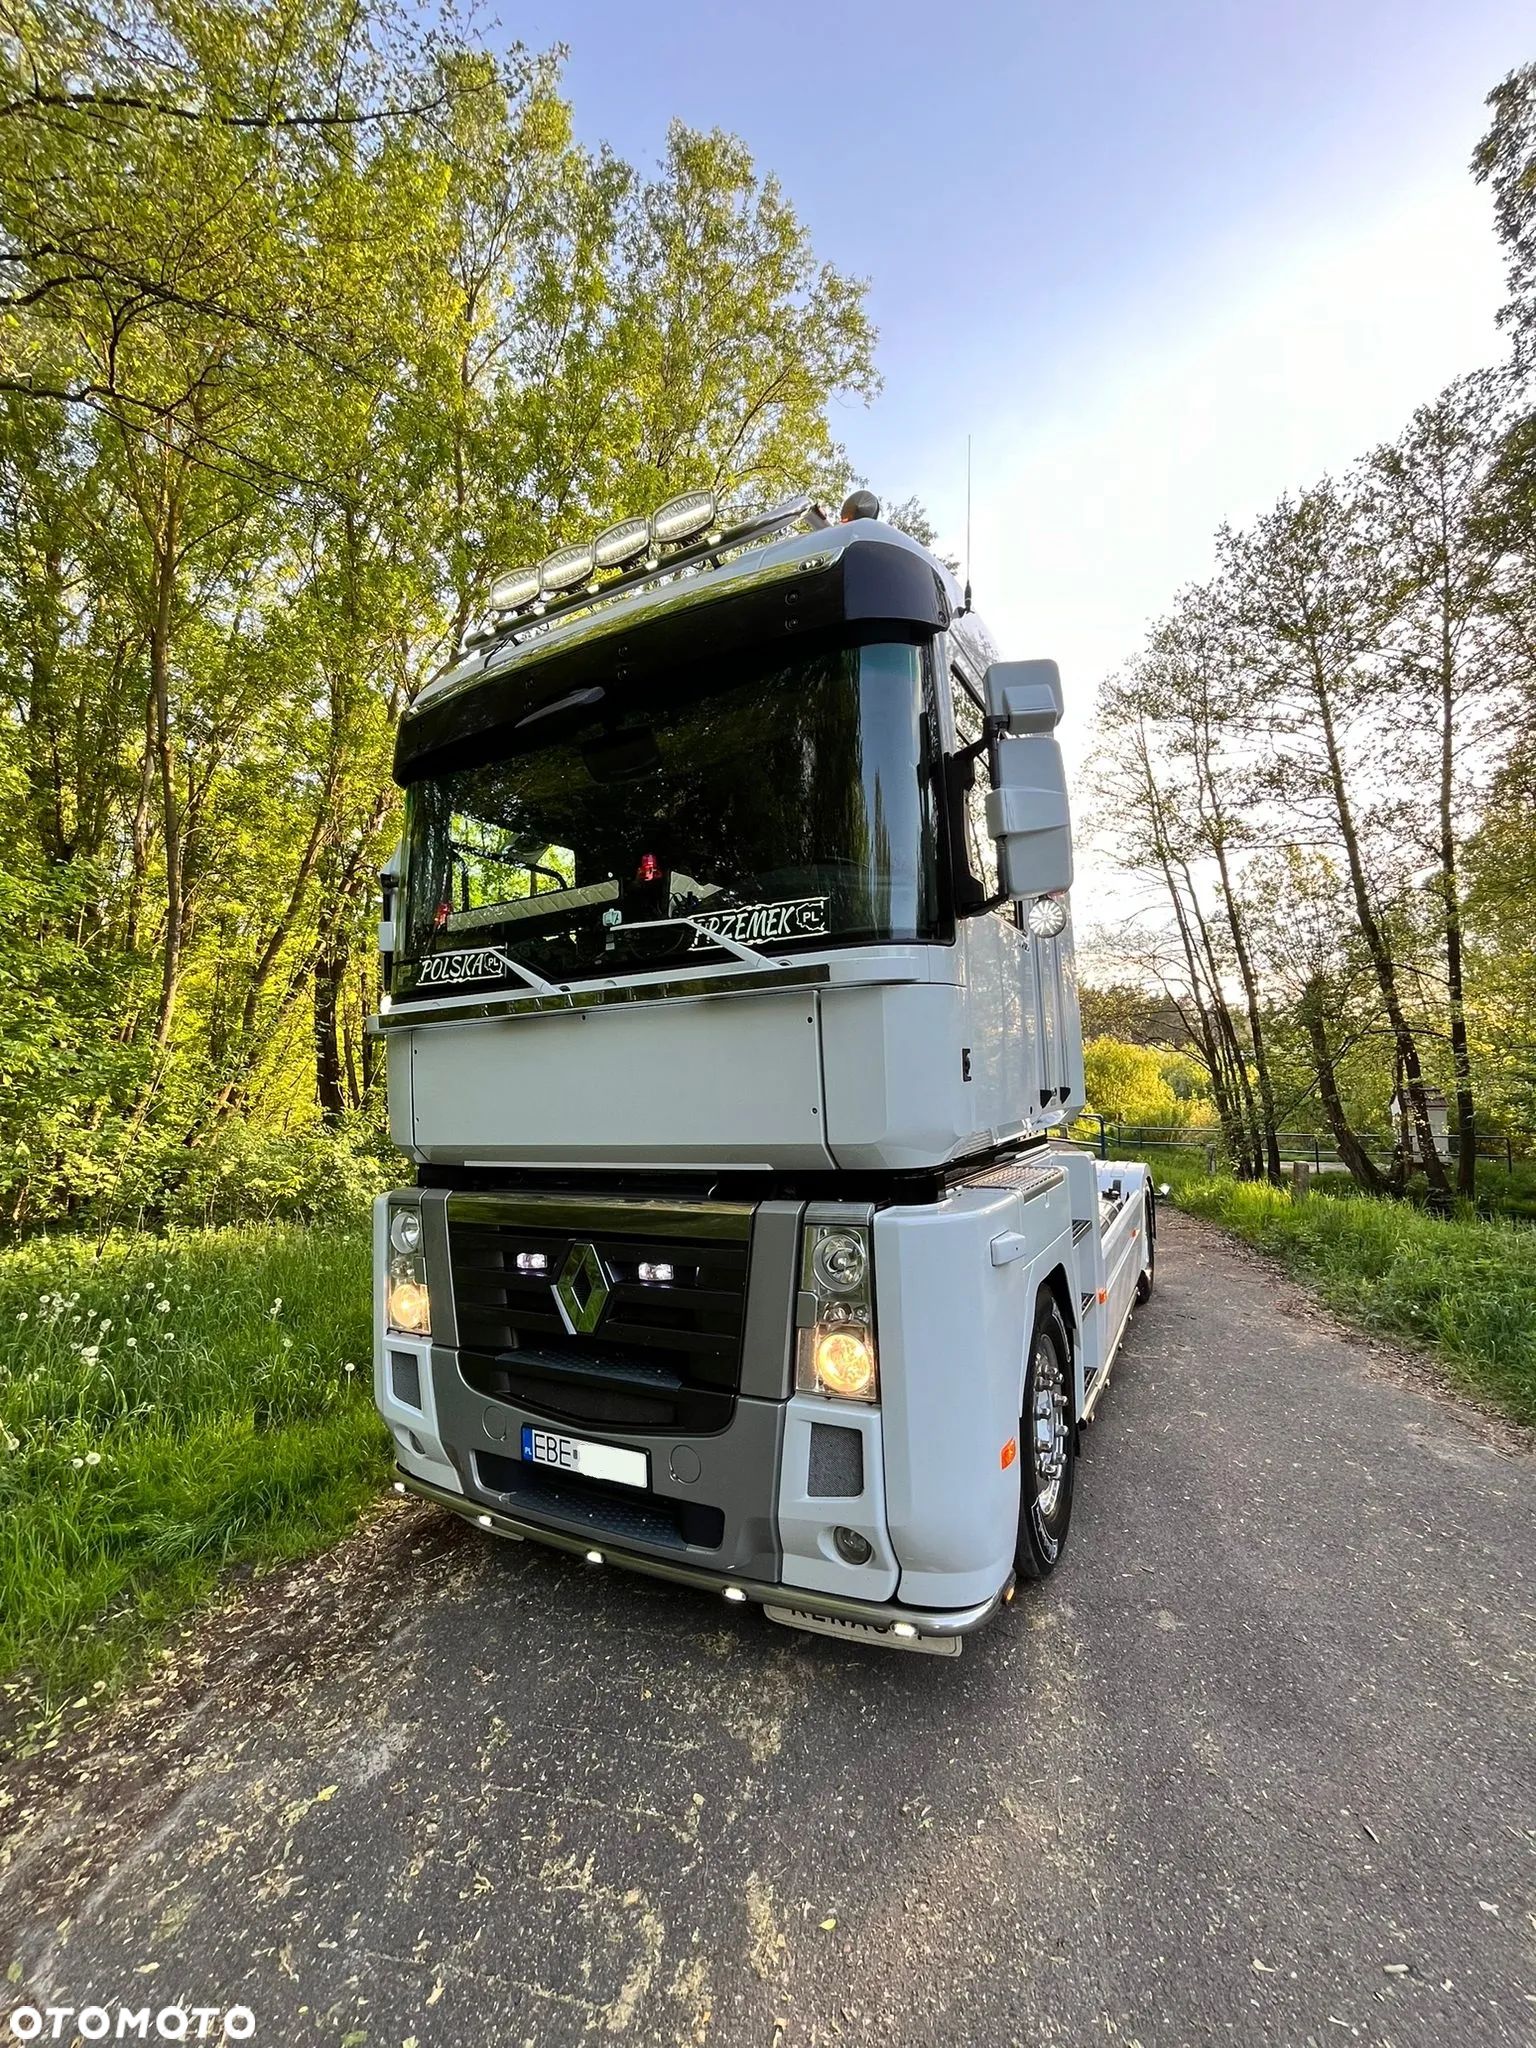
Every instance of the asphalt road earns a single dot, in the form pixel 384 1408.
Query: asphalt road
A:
pixel 1258 1765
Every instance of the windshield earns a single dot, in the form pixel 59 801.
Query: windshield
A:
pixel 782 803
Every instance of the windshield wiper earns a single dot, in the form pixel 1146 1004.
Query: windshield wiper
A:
pixel 697 924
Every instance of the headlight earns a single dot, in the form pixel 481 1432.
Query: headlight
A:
pixel 839 1260
pixel 835 1351
pixel 407 1300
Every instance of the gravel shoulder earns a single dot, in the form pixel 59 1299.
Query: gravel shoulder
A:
pixel 1256 1765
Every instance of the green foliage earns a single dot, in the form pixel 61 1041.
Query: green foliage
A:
pixel 169 1408
pixel 312 317
pixel 1461 1286
pixel 1134 1084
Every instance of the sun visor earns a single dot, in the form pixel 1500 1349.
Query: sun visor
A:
pixel 867 589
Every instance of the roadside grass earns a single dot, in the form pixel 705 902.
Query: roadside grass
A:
pixel 1464 1286
pixel 169 1407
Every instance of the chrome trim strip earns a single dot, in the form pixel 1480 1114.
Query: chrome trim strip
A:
pixel 583 1212
pixel 597 996
pixel 944 1621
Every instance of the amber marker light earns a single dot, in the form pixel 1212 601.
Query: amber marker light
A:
pixel 1009 1452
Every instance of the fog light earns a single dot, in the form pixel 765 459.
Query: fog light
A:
pixel 485 1521
pixel 905 1630
pixel 845 1362
pixel 410 1308
pixel 594 1557
pixel 734 1593
pixel 851 1547
pixel 657 1269
pixel 533 1262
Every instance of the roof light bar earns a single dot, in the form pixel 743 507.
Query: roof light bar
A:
pixel 682 517
pixel 569 576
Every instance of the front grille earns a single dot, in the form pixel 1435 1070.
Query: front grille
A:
pixel 624 1514
pixel 658 1355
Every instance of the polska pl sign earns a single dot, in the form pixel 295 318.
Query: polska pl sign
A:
pixel 764 924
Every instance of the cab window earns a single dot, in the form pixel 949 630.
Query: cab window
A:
pixel 970 721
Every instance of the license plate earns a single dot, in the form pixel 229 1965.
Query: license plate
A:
pixel 592 1461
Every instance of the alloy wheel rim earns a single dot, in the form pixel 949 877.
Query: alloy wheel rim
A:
pixel 1048 1420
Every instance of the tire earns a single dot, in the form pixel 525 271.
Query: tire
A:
pixel 1047 1445
pixel 1147 1278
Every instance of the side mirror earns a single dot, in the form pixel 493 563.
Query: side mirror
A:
pixel 389 883
pixel 1024 697
pixel 1028 815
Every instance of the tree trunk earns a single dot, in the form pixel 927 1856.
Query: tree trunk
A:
pixel 164 591
pixel 1450 895
pixel 1380 951
pixel 1269 1134
pixel 330 970
pixel 1363 1169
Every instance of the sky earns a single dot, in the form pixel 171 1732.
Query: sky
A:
pixel 1160 263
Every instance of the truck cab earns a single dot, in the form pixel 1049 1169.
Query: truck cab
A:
pixel 731 1023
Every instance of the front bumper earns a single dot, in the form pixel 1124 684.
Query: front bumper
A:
pixel 887 1624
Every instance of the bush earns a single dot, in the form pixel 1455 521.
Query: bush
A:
pixel 325 1174
pixel 1134 1084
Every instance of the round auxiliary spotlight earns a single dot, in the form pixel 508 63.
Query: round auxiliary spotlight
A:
pixel 619 544
pixel 1047 917
pixel 859 505
pixel 682 517
pixel 517 586
pixel 566 567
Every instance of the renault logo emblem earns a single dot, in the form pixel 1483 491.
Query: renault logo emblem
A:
pixel 582 1290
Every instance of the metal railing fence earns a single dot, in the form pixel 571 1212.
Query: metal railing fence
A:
pixel 1503 1149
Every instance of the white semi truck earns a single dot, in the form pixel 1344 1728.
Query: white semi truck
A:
pixel 731 1023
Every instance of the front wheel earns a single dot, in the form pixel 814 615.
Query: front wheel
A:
pixel 1047 1445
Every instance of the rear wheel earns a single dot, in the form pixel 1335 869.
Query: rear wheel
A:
pixel 1047 1444
pixel 1148 1274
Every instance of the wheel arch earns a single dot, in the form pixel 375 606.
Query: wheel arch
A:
pixel 1057 1284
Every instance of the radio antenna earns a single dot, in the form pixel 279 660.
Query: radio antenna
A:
pixel 965 607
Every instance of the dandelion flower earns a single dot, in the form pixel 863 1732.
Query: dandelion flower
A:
pixel 93 1457
pixel 90 1353
pixel 22 1317
pixel 78 1463
pixel 163 1306
pixel 132 1343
